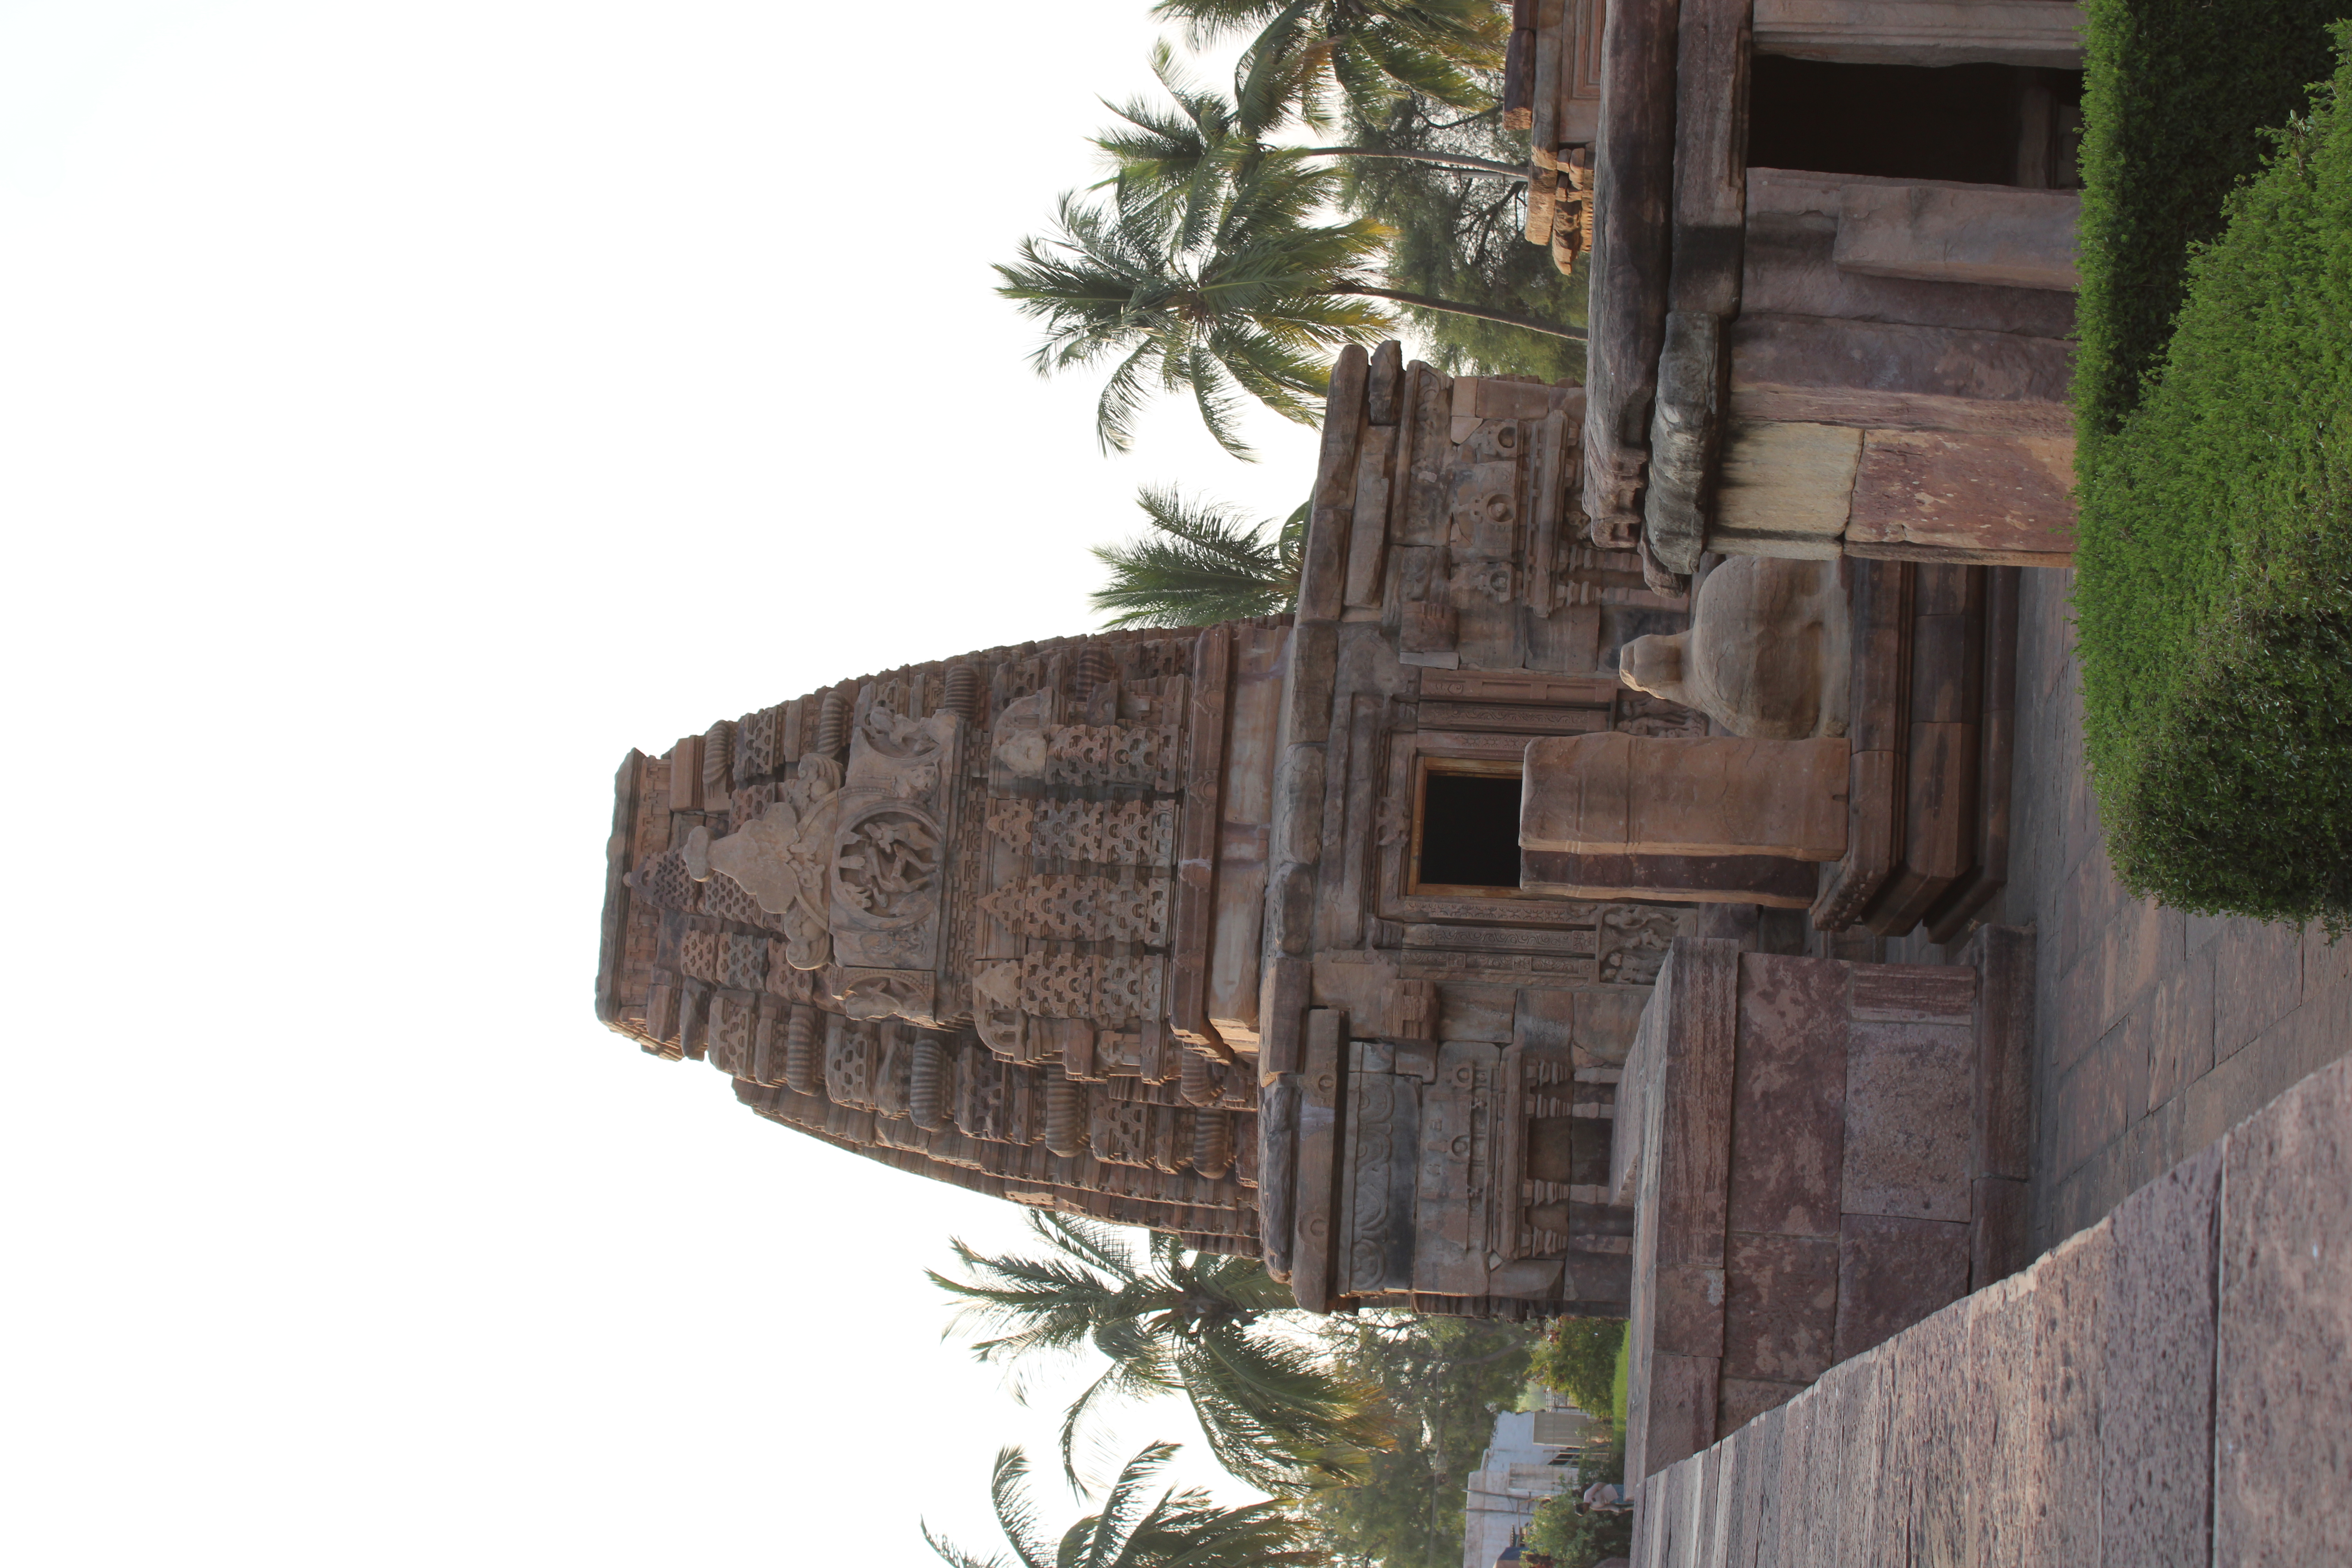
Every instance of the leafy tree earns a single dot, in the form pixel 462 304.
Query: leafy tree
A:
pixel 1441 1380
pixel 1182 1530
pixel 1172 1321
pixel 1310 57
pixel 1231 290
pixel 1578 1357
pixel 1170 146
pixel 1573 1536
pixel 1459 236
pixel 1200 565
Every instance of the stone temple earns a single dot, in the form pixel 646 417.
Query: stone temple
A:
pixel 1327 939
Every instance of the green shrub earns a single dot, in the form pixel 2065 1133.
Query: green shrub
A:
pixel 2214 588
pixel 2175 97
pixel 1578 1357
pixel 1563 1531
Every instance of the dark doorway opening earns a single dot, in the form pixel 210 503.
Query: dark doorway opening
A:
pixel 1981 124
pixel 1469 830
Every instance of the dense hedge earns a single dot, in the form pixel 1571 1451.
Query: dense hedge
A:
pixel 2175 96
pixel 2214 593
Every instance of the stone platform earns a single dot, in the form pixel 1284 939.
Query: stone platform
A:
pixel 2168 1386
pixel 2154 1031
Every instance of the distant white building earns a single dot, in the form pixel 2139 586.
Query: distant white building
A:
pixel 1530 1456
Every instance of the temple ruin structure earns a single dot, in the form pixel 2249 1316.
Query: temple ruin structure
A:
pixel 1830 246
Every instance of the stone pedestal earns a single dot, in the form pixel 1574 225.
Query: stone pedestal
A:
pixel 1820 1153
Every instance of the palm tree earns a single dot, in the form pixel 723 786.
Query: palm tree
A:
pixel 1365 52
pixel 1172 1321
pixel 1161 150
pixel 1183 1530
pixel 1202 564
pixel 1229 290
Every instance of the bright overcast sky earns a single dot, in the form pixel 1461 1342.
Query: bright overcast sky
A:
pixel 405 409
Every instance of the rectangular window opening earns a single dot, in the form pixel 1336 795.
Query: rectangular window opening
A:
pixel 1465 825
pixel 1977 124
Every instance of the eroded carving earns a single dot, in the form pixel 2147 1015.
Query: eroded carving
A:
pixel 781 860
pixel 1632 942
pixel 1082 908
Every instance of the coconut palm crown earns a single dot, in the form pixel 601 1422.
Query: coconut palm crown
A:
pixel 1225 295
pixel 1184 1529
pixel 1308 56
pixel 1200 564
pixel 1170 1319
pixel 1217 283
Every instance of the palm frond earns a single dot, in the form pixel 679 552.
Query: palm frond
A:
pixel 1015 1513
pixel 1201 564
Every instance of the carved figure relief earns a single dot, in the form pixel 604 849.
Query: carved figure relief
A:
pixel 881 992
pixel 888 844
pixel 781 860
pixel 888 863
pixel 1632 942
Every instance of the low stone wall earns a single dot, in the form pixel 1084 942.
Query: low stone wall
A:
pixel 2171 1386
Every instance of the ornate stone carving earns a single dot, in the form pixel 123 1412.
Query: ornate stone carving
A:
pixel 734 1017
pixel 800 1056
pixel 889 847
pixel 743 962
pixel 851 1059
pixel 1655 717
pixel 1632 942
pixel 661 879
pixel 1110 992
pixel 881 992
pixel 697 955
pixel 1213 1142
pixel 1111 833
pixel 718 761
pixel 894 1070
pixel 1066 1114
pixel 888 863
pixel 783 860
pixel 930 1082
pixel 1079 754
pixel 1765 655
pixel 1374 1180
pixel 757 753
pixel 1082 908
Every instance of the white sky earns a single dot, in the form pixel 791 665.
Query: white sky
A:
pixel 405 408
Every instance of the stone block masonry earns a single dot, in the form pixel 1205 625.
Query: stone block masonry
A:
pixel 2168 1387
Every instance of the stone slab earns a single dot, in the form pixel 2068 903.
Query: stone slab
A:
pixel 1788 1119
pixel 1781 1307
pixel 1740 1400
pixel 1908 1098
pixel 2283 1465
pixel 2005 499
pixel 2155 1416
pixel 1892 1272
pixel 1959 234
